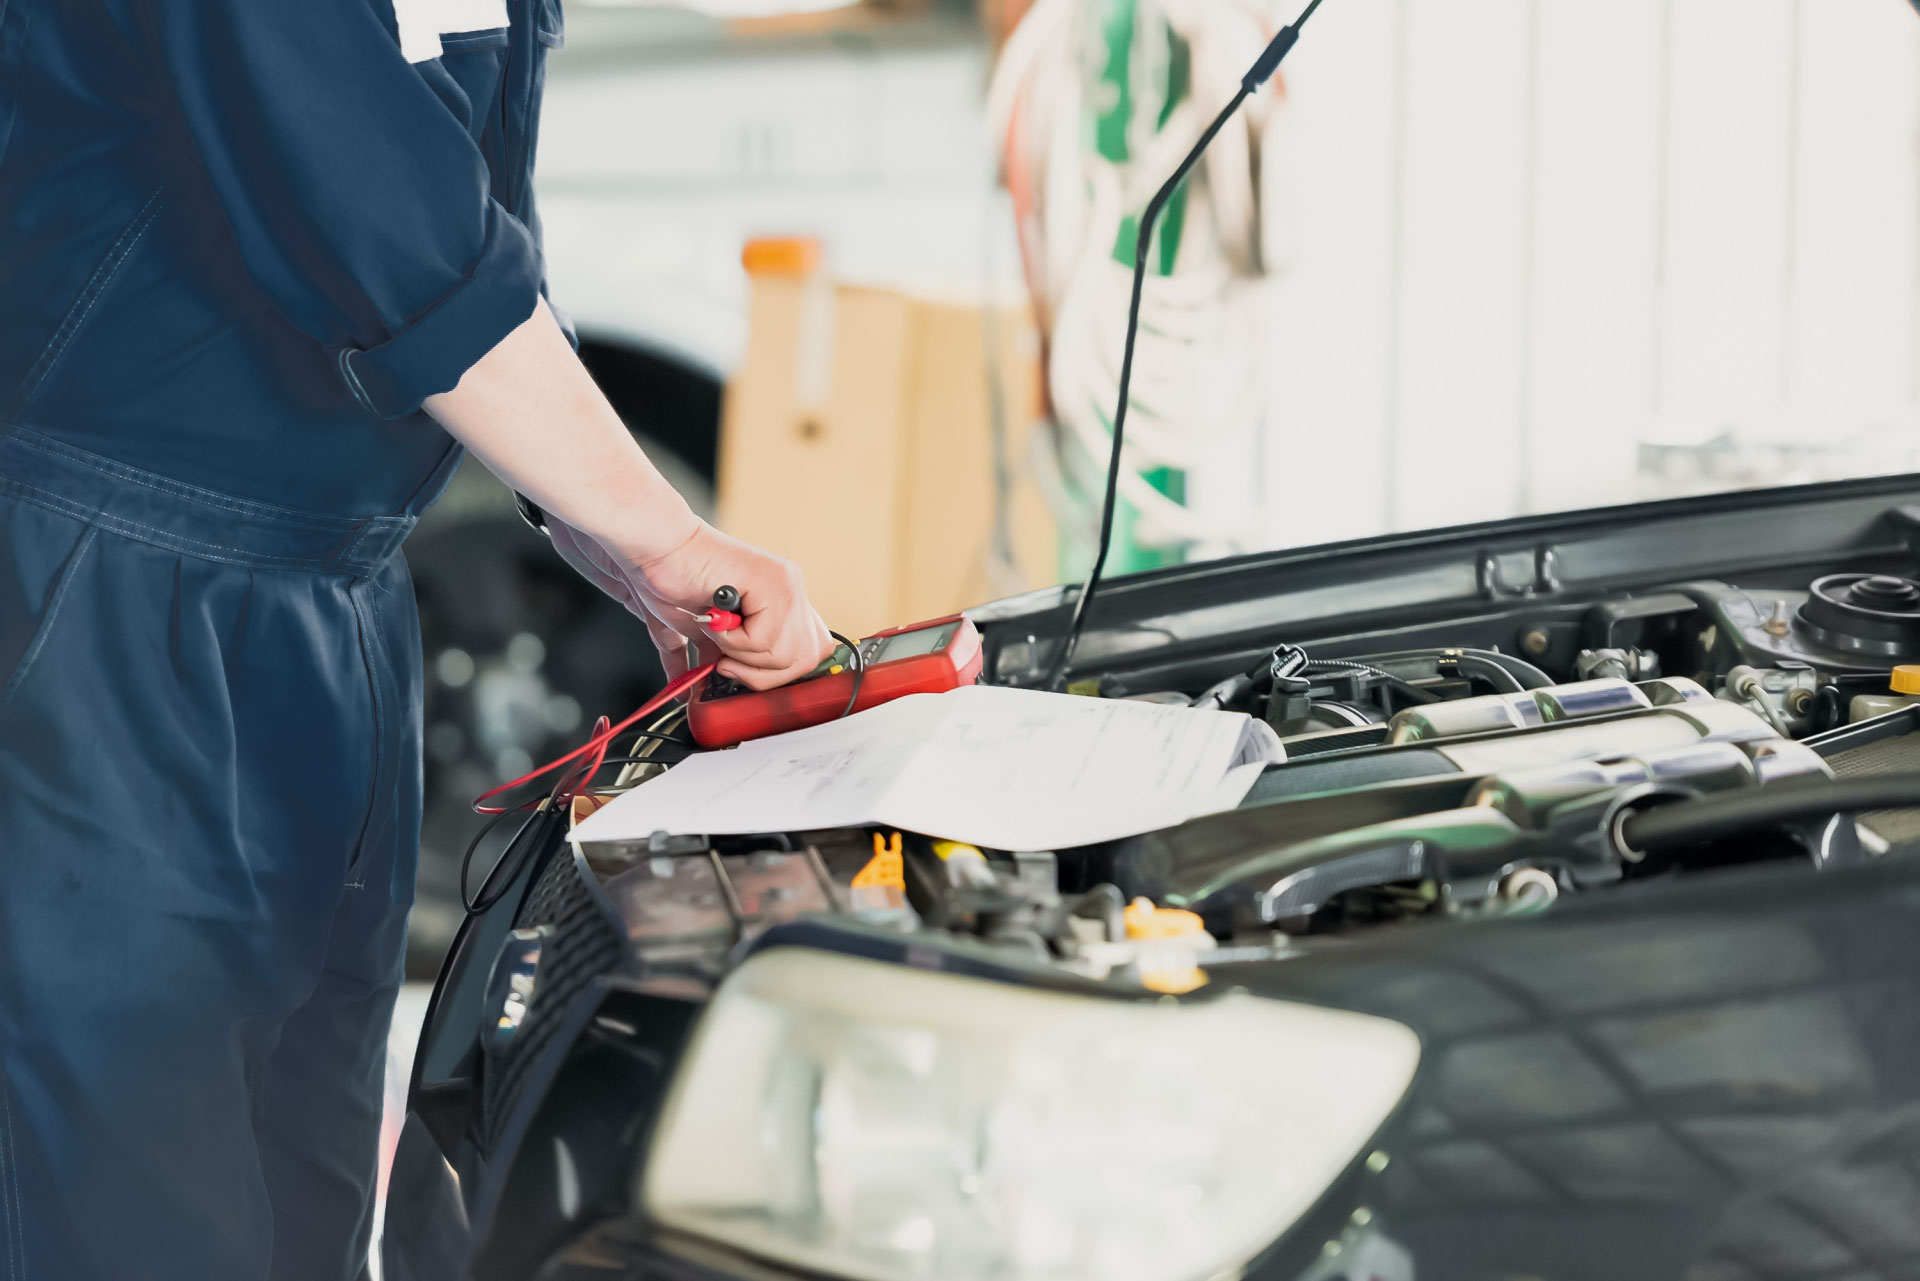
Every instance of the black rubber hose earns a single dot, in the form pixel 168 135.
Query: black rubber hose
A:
pixel 1412 693
pixel 1529 676
pixel 1225 694
pixel 1487 670
pixel 1504 672
pixel 1470 662
pixel 1690 822
pixel 1522 674
pixel 859 672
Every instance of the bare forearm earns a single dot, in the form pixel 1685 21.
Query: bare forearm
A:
pixel 531 413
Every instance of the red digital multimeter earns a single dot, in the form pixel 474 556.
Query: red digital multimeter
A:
pixel 925 658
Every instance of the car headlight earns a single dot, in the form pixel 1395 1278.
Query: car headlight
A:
pixel 875 1121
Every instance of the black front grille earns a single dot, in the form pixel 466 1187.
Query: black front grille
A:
pixel 582 946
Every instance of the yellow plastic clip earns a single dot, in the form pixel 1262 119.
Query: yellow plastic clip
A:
pixel 887 870
pixel 1144 920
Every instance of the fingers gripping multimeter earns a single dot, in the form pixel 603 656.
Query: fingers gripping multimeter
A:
pixel 925 658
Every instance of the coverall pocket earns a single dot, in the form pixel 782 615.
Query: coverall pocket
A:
pixel 526 89
pixel 41 554
pixel 389 651
pixel 103 276
pixel 550 23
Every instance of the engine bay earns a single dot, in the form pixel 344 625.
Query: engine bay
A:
pixel 1422 784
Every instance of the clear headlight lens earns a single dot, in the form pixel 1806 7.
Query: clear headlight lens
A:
pixel 875 1121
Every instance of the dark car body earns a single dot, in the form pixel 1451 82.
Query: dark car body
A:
pixel 1712 1074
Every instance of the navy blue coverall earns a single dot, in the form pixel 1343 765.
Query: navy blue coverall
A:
pixel 241 241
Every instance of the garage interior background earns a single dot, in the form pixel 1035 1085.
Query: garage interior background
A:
pixel 1534 255
pixel 1531 245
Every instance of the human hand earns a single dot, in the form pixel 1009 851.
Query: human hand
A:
pixel 780 637
pixel 615 518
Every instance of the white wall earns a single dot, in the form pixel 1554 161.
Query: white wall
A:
pixel 1531 236
pixel 1543 253
pixel 655 170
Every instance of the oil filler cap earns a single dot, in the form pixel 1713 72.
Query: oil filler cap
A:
pixel 1874 614
pixel 1906 679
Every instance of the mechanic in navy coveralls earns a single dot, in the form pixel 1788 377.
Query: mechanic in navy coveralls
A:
pixel 267 267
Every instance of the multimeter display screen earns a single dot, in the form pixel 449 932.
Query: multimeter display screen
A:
pixel 928 640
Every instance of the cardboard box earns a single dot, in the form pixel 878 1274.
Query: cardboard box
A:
pixel 857 440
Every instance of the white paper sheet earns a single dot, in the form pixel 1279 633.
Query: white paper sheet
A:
pixel 1003 768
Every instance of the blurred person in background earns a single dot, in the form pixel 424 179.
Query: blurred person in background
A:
pixel 1093 104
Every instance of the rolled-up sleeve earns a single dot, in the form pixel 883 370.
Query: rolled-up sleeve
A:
pixel 360 204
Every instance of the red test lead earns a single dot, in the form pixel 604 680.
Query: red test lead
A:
pixel 718 620
pixel 595 745
pixel 725 614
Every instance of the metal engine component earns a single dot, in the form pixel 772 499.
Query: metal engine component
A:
pixel 1868 614
pixel 1847 623
pixel 1784 694
pixel 1707 720
pixel 1529 886
pixel 1533 708
pixel 1558 823
pixel 1464 797
pixel 1617 664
